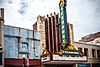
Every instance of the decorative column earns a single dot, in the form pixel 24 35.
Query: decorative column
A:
pixel 2 35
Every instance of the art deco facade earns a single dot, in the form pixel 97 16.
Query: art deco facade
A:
pixel 40 27
pixel 53 33
pixel 61 50
pixel 53 43
pixel 50 32
pixel 1 36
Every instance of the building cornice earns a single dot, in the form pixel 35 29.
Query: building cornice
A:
pixel 87 44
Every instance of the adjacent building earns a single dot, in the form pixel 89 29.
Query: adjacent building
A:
pixel 91 39
pixel 21 43
pixel 91 50
pixel 17 45
pixel 1 37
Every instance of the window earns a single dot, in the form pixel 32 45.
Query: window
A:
pixel 63 40
pixel 63 31
pixel 0 44
pixel 80 49
pixel 97 42
pixel 62 13
pixel 98 53
pixel 0 58
pixel 86 51
pixel 62 22
pixel 61 8
pixel 23 47
pixel 62 17
pixel 63 36
pixel 93 53
pixel 60 4
pixel 62 26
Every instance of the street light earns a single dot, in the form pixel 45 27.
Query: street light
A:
pixel 24 60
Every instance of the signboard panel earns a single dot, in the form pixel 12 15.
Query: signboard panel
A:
pixel 45 58
pixel 63 21
pixel 84 65
pixel 74 58
pixel 69 52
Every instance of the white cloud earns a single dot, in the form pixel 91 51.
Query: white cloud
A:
pixel 84 15
pixel 34 8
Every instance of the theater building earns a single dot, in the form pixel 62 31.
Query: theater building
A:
pixel 60 48
pixel 53 47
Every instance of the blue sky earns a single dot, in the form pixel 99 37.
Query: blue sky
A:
pixel 83 14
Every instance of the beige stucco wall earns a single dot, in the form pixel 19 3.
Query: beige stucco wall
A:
pixel 41 29
pixel 90 47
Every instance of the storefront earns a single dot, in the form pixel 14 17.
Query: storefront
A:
pixel 12 62
pixel 59 65
pixel 68 57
